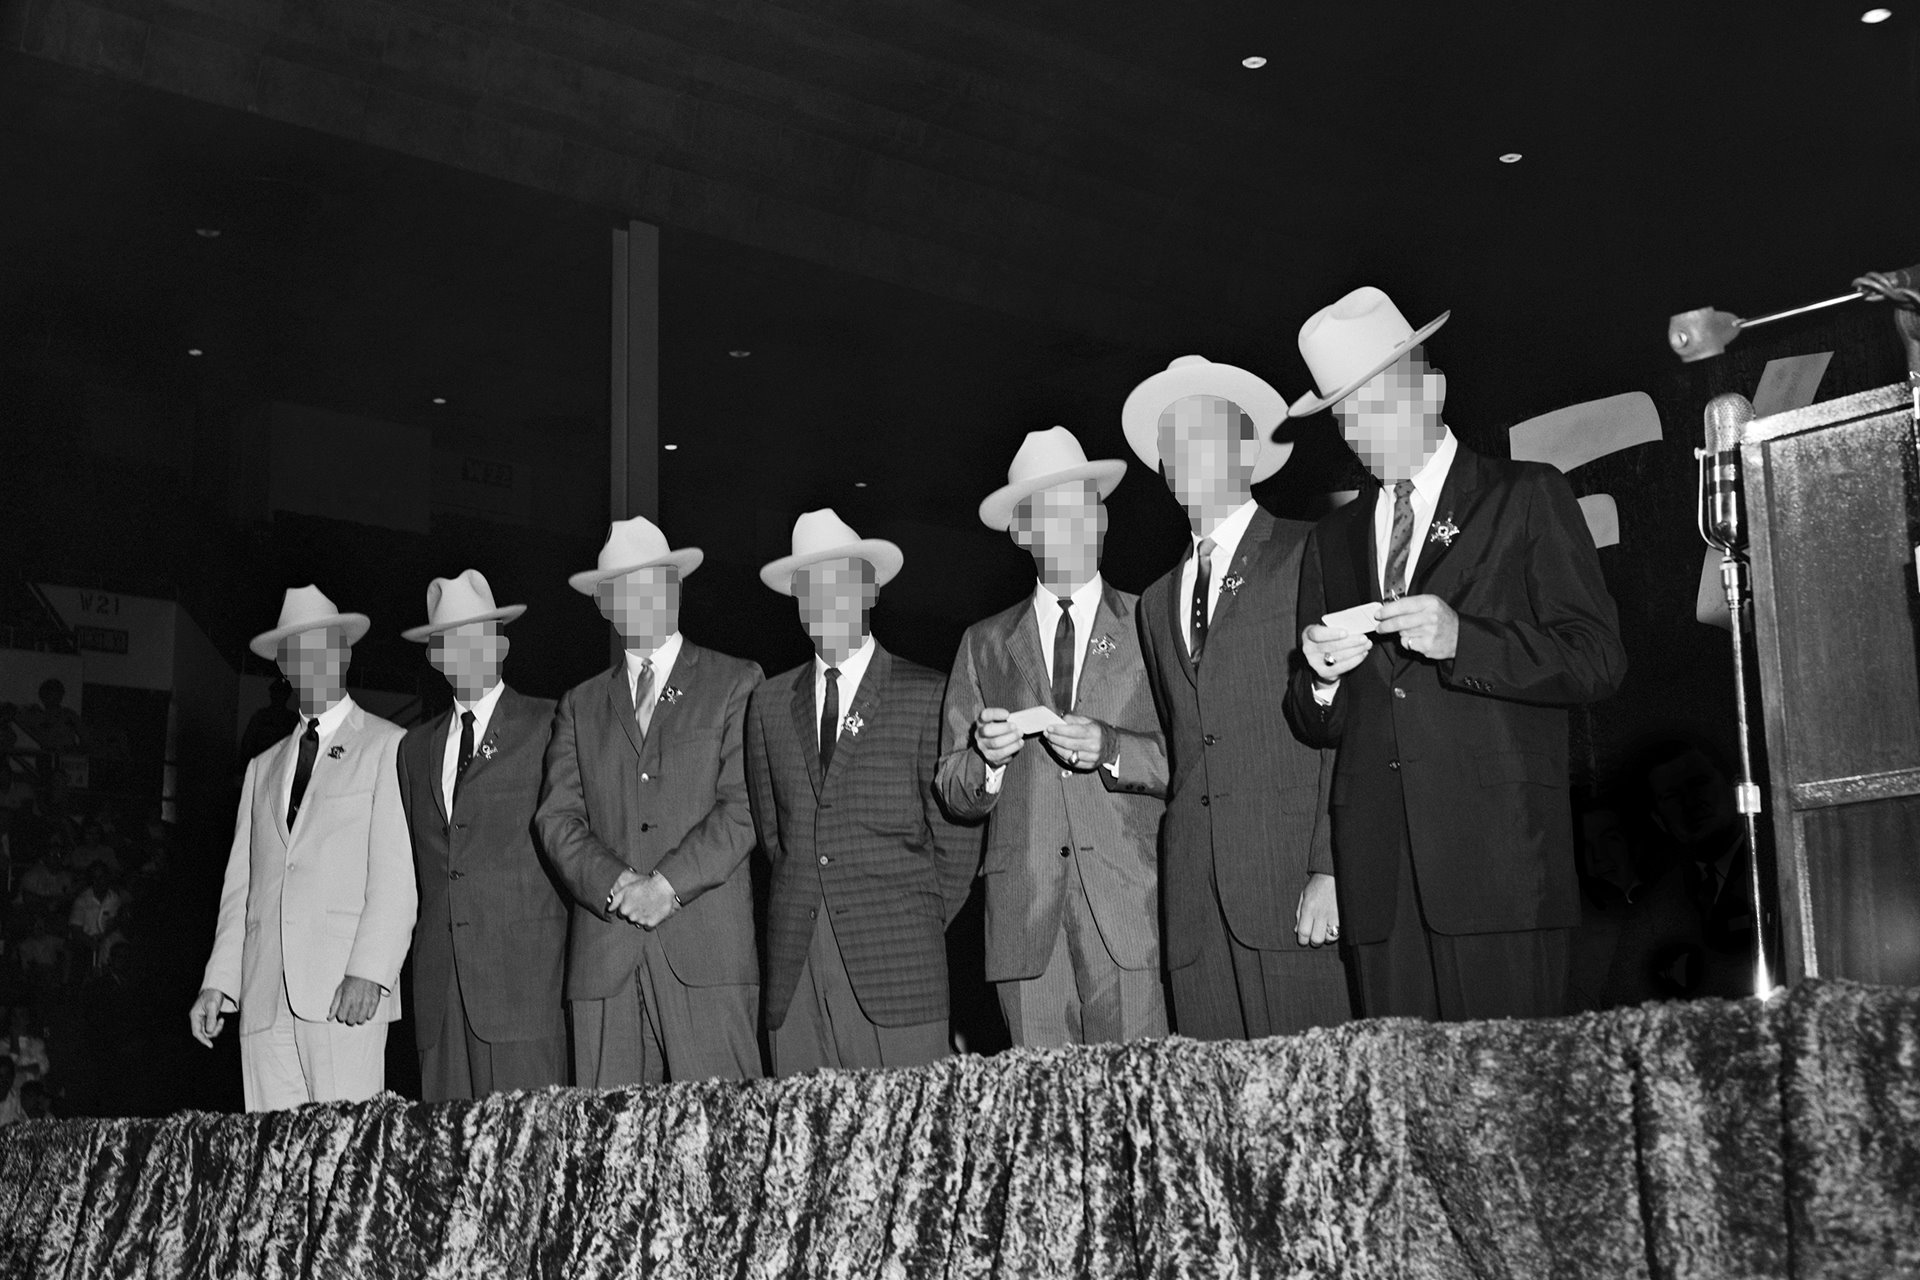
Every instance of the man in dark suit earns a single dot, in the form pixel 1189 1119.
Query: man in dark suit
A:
pixel 489 948
pixel 867 870
pixel 644 815
pixel 1248 878
pixel 1451 822
pixel 1073 936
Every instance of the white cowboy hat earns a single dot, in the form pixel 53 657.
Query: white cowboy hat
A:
pixel 307 609
pixel 1199 376
pixel 1347 343
pixel 1047 458
pixel 634 544
pixel 822 535
pixel 454 602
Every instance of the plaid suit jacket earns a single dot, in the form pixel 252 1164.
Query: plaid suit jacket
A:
pixel 867 842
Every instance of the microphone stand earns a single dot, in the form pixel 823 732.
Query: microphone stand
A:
pixel 1734 583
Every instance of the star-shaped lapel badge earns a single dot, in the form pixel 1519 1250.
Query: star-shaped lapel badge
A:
pixel 1444 531
pixel 1102 645
pixel 335 753
pixel 487 750
pixel 1232 583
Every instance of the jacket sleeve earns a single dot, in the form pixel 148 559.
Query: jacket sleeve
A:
pixel 1313 724
pixel 960 780
pixel 230 933
pixel 1138 752
pixel 709 854
pixel 585 863
pixel 956 849
pixel 759 770
pixel 1561 642
pixel 393 898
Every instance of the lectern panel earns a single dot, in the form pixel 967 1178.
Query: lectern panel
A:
pixel 1865 862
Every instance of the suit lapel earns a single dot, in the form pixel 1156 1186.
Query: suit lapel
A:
pixel 1362 552
pixel 1458 495
pixel 805 727
pixel 864 711
pixel 1252 543
pixel 620 704
pixel 429 758
pixel 1176 612
pixel 345 739
pixel 1110 622
pixel 1023 646
pixel 280 771
pixel 680 677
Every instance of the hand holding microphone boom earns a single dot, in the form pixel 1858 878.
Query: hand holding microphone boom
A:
pixel 1720 522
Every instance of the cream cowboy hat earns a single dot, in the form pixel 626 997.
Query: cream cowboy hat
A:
pixel 822 535
pixel 634 544
pixel 1045 459
pixel 454 602
pixel 307 609
pixel 1199 376
pixel 1347 343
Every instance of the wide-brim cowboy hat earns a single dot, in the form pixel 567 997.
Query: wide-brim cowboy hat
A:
pixel 634 544
pixel 455 602
pixel 1047 458
pixel 1199 376
pixel 1347 343
pixel 307 609
pixel 822 535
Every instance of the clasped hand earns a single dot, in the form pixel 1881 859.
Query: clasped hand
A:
pixel 1077 742
pixel 642 901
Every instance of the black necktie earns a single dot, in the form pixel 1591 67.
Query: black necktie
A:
pixel 466 745
pixel 1202 580
pixel 303 771
pixel 1400 544
pixel 829 720
pixel 1063 650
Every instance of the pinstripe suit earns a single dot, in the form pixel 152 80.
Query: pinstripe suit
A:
pixel 1065 848
pixel 1247 804
pixel 865 852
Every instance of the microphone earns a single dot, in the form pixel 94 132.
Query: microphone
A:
pixel 1720 497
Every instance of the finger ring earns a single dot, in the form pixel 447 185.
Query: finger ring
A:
pixel 1074 756
pixel 1327 659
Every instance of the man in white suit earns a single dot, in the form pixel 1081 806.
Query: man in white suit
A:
pixel 319 900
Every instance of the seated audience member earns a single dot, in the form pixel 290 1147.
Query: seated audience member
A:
pixel 55 726
pixel 93 848
pixel 96 912
pixel 47 882
pixel 10 1112
pixel 43 953
pixel 25 1044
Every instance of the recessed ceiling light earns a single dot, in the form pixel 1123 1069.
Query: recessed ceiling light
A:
pixel 1254 63
pixel 439 399
pixel 1512 157
pixel 207 233
pixel 669 447
pixel 739 353
pixel 1872 16
pixel 195 351
pixel 859 484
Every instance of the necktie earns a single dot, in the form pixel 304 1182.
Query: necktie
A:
pixel 829 720
pixel 1063 652
pixel 466 744
pixel 1202 580
pixel 643 697
pixel 1400 545
pixel 303 771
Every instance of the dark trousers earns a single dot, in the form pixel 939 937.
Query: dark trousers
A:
pixel 1418 973
pixel 459 1064
pixel 826 1029
pixel 658 1029
pixel 1236 992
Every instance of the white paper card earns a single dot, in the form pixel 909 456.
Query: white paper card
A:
pixel 1359 620
pixel 1789 383
pixel 1033 720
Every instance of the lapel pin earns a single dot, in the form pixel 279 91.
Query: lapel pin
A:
pixel 670 695
pixel 335 753
pixel 1232 583
pixel 853 724
pixel 1103 645
pixel 488 750
pixel 1444 531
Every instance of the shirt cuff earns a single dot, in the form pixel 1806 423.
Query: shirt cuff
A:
pixel 1323 693
pixel 996 775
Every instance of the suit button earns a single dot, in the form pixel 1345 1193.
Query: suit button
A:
pixel 1066 773
pixel 1399 692
pixel 646 826
pixel 459 924
pixel 824 859
pixel 1206 802
pixel 455 874
pixel 1066 851
pixel 644 777
pixel 1210 738
pixel 813 913
pixel 1393 764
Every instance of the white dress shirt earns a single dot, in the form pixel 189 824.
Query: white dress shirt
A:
pixel 1427 482
pixel 852 670
pixel 1226 544
pixel 1046 612
pixel 663 657
pixel 482 709
pixel 330 721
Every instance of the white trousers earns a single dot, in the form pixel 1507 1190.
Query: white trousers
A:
pixel 295 1061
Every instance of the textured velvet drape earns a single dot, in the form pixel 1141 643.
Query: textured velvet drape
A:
pixel 1712 1139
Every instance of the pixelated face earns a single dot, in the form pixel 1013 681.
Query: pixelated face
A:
pixel 1207 449
pixel 835 597
pixel 1062 528
pixel 469 656
pixel 1393 420
pixel 315 664
pixel 643 606
pixel 1691 797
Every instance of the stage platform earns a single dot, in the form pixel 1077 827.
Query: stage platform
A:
pixel 1713 1139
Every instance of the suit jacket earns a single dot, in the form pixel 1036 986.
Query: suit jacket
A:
pixel 674 802
pixel 488 905
pixel 1246 806
pixel 1475 747
pixel 867 842
pixel 1044 815
pixel 332 897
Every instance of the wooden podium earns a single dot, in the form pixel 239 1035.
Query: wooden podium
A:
pixel 1833 514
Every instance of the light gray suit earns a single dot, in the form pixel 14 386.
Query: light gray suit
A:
pixel 1073 940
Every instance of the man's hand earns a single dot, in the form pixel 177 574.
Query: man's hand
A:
pixel 1077 741
pixel 646 902
pixel 995 739
pixel 354 1001
pixel 1317 918
pixel 205 1016
pixel 1331 652
pixel 1426 625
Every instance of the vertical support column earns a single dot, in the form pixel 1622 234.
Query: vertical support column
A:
pixel 635 417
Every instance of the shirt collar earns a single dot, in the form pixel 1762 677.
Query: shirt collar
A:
pixel 663 657
pixel 1230 530
pixel 333 717
pixel 1432 474
pixel 851 669
pixel 482 707
pixel 1084 600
